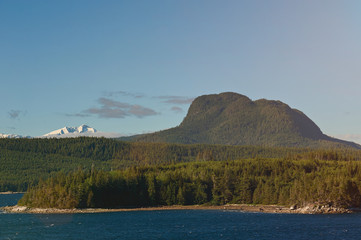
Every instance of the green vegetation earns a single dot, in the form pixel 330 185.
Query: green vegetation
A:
pixel 251 181
pixel 61 173
pixel 234 119
pixel 24 161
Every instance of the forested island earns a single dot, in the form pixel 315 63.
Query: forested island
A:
pixel 105 173
pixel 228 150
pixel 250 181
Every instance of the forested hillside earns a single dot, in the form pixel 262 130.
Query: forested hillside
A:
pixel 252 181
pixel 25 161
pixel 234 119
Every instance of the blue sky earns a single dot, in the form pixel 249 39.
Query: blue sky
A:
pixel 135 66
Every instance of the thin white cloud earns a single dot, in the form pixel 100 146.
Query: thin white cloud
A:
pixel 350 137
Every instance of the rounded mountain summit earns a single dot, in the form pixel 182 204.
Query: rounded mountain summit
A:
pixel 234 119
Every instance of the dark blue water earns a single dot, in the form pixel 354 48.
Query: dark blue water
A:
pixel 174 224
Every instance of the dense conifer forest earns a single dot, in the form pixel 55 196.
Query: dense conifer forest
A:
pixel 250 181
pixel 24 162
pixel 98 172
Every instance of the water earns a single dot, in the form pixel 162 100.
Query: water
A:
pixel 176 224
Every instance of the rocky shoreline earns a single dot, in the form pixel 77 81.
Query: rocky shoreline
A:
pixel 10 192
pixel 309 209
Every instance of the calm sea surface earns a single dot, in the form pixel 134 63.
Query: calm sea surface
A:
pixel 176 224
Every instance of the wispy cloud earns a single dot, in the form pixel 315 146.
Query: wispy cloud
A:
pixel 78 115
pixel 15 114
pixel 109 103
pixel 104 112
pixel 140 111
pixel 350 137
pixel 177 109
pixel 123 93
pixel 176 99
pixel 110 108
pixel 166 99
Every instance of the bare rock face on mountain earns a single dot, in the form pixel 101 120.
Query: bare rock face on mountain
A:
pixel 234 119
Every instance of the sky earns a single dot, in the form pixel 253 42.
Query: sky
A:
pixel 133 67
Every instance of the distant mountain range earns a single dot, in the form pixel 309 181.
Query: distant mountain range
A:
pixel 69 132
pixel 233 119
pixel 12 136
pixel 81 131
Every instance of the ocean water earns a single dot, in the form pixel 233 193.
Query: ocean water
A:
pixel 176 224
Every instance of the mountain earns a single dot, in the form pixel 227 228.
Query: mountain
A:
pixel 12 136
pixel 81 131
pixel 234 119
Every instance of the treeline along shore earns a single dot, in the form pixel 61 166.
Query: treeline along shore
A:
pixel 296 183
pixel 104 173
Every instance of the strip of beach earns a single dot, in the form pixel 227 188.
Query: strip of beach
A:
pixel 310 209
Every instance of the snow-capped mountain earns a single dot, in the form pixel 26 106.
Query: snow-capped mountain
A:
pixel 70 132
pixel 12 136
pixel 82 130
